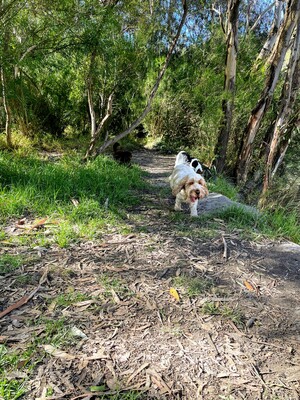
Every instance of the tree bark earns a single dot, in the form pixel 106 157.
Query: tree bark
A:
pixel 229 84
pixel 8 115
pixel 275 65
pixel 153 92
pixel 273 34
pixel 288 98
pixel 293 126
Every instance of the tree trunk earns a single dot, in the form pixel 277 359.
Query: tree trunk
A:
pixel 288 97
pixel 293 125
pixel 273 34
pixel 275 64
pixel 153 92
pixel 8 116
pixel 229 84
pixel 95 130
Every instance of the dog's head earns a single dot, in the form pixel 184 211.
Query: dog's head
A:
pixel 195 189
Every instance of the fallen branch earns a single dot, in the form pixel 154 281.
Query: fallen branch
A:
pixel 19 303
pixel 225 255
pixel 25 299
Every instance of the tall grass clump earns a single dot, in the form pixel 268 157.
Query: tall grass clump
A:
pixel 76 193
pixel 223 186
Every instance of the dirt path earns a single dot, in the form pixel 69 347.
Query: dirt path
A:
pixel 234 334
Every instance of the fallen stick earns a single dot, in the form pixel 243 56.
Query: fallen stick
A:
pixel 19 303
pixel 225 255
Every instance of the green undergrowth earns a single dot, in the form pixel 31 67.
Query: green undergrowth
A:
pixel 78 200
pixel 272 222
pixel 223 186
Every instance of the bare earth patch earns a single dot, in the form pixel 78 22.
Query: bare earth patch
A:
pixel 234 334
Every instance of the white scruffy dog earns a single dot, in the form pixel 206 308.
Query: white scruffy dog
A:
pixel 187 186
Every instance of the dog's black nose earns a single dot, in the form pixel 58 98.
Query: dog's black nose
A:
pixel 197 191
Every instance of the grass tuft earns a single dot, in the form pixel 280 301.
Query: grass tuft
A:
pixel 193 286
pixel 9 263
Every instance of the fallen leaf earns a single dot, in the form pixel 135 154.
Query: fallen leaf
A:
pixel 97 388
pixel 174 293
pixel 77 332
pixel 3 339
pixel 249 286
pixel 53 351
pixel 37 224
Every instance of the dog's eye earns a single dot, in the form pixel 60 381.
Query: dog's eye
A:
pixel 190 183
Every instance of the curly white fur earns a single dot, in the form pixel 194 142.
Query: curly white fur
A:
pixel 188 187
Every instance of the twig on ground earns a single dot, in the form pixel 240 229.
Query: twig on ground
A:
pixel 19 303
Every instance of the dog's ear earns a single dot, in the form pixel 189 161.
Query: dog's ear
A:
pixel 181 184
pixel 203 184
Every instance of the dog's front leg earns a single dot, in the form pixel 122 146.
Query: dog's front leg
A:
pixel 193 208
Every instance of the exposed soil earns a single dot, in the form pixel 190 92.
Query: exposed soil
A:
pixel 235 337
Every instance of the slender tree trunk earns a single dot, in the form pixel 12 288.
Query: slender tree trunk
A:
pixel 90 96
pixel 273 34
pixel 288 97
pixel 4 82
pixel 95 130
pixel 294 125
pixel 229 84
pixel 275 64
pixel 153 92
pixel 8 115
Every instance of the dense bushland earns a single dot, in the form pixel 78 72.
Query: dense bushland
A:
pixel 70 69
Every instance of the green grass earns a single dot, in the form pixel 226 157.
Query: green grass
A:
pixel 223 186
pixel 67 299
pixel 193 286
pixel 111 283
pixel 39 188
pixel 275 221
pixel 130 395
pixel 276 224
pixel 8 263
pixel 12 389
pixel 225 312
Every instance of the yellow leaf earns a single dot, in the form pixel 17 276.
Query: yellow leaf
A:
pixel 174 293
pixel 249 286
